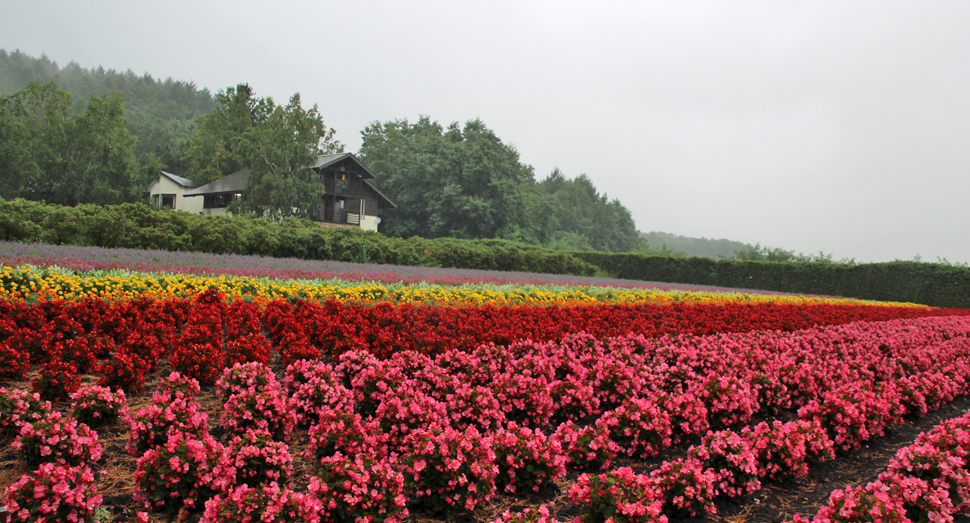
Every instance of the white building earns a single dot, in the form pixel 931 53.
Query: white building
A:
pixel 169 191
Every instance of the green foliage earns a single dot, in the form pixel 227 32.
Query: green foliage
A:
pixel 160 113
pixel 646 249
pixel 776 254
pixel 464 182
pixel 456 182
pixel 277 144
pixel 53 155
pixel 214 150
pixel 935 284
pixel 579 209
pixel 141 226
pixel 704 247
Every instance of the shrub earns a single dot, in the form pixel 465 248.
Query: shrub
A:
pixel 406 409
pixel 638 427
pixel 526 458
pixel 527 515
pixel 729 401
pixel 13 363
pixel 361 489
pixel 687 489
pixel 57 438
pixel 620 496
pixel 732 460
pixel 53 492
pixel 183 472
pixel 784 450
pixel 869 503
pixel 930 481
pixel 315 389
pixel 242 377
pixel 266 409
pixel 586 447
pixel 97 406
pixel 18 407
pixel 449 470
pixel 57 380
pixel 254 458
pixel 265 503
pixel 151 426
pixel 125 370
pixel 855 412
pixel 343 432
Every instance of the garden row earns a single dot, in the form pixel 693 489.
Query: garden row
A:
pixel 139 226
pixel 56 283
pixel 123 341
pixel 445 433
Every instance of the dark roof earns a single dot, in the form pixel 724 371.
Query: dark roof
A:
pixel 325 160
pixel 179 180
pixel 233 183
pixel 236 182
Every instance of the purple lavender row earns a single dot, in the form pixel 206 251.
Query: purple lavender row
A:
pixel 82 258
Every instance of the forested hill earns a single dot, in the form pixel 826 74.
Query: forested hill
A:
pixel 459 181
pixel 703 247
pixel 160 113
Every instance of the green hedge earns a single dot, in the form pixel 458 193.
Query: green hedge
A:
pixel 927 283
pixel 140 226
pixel 143 227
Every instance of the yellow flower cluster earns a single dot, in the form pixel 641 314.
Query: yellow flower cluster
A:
pixel 30 283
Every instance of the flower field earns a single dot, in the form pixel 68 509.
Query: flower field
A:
pixel 130 395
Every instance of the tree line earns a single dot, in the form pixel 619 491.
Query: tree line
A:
pixel 72 135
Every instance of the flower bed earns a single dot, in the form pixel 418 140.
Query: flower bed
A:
pixel 450 428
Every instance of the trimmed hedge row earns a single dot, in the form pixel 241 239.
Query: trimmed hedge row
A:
pixel 140 226
pixel 143 227
pixel 927 283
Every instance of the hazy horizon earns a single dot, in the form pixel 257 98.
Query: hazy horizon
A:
pixel 830 126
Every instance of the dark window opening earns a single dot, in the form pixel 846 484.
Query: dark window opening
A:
pixel 218 201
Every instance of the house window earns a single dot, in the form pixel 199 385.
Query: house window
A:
pixel 218 201
pixel 164 200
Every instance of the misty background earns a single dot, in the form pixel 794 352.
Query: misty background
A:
pixel 832 126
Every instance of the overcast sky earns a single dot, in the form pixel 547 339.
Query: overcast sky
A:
pixel 833 126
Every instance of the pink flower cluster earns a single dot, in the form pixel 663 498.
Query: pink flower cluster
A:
pixel 314 390
pixel 256 401
pixel 255 458
pixel 18 407
pixel 98 406
pixel 182 472
pixel 59 439
pixel 173 409
pixel 539 514
pixel 620 496
pixel 526 459
pixel 926 481
pixel 362 488
pixel 448 470
pixel 264 503
pixel 53 492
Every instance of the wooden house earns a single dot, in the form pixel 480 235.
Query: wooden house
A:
pixel 350 200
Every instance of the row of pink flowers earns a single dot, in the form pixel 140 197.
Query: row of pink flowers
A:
pixel 926 481
pixel 447 432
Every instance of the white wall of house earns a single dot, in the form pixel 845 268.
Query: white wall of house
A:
pixel 369 223
pixel 165 188
pixel 217 211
